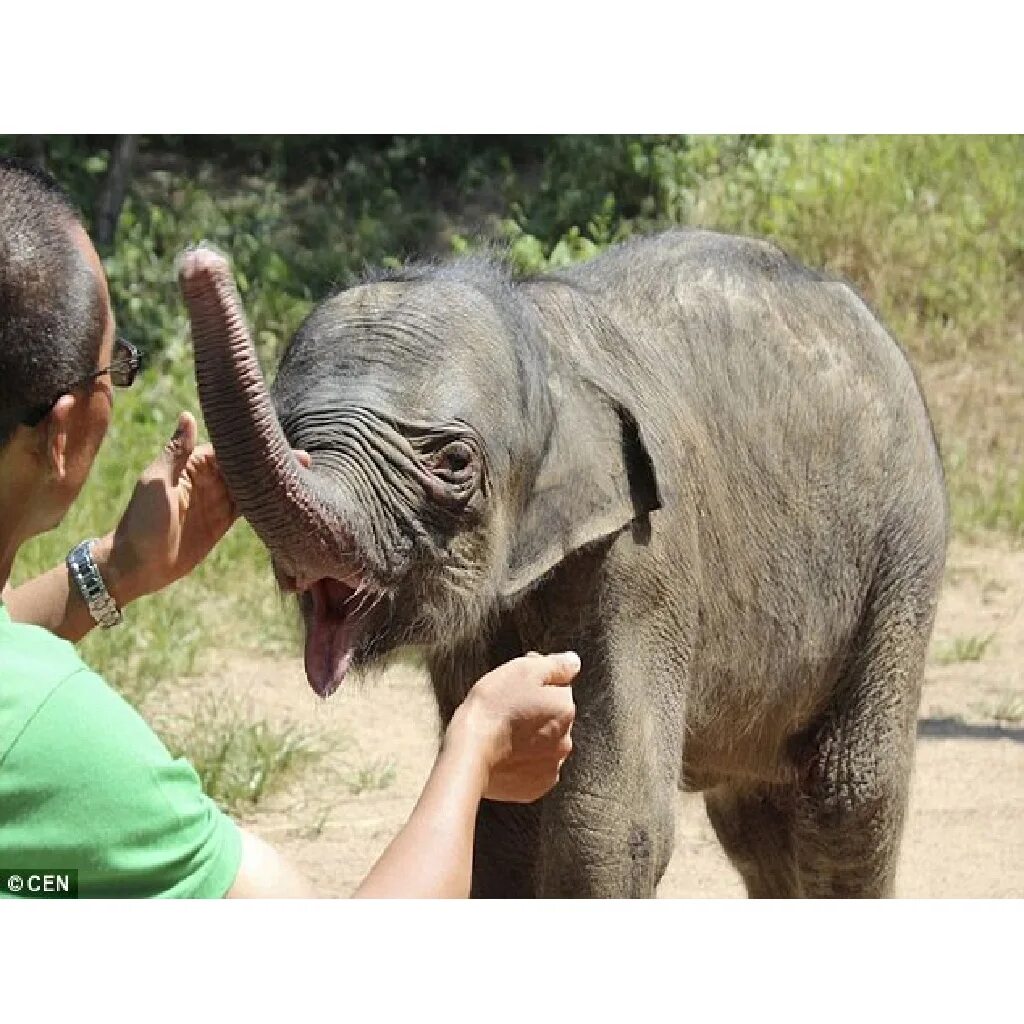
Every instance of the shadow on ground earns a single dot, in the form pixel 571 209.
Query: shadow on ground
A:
pixel 955 728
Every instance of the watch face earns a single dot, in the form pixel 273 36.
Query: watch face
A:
pixel 90 584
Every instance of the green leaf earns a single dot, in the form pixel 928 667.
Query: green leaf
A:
pixel 95 164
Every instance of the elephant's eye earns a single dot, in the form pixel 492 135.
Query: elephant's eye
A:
pixel 454 462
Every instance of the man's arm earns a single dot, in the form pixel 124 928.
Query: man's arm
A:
pixel 179 510
pixel 55 603
pixel 507 741
pixel 432 856
pixel 265 874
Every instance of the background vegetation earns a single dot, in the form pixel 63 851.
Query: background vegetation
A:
pixel 930 229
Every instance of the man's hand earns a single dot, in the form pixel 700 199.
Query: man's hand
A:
pixel 179 510
pixel 506 741
pixel 521 714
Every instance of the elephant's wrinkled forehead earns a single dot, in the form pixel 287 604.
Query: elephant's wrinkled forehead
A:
pixel 429 349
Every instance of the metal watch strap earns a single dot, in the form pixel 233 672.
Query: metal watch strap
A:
pixel 86 575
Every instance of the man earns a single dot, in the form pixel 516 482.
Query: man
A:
pixel 84 782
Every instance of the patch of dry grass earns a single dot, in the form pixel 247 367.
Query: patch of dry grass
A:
pixel 240 757
pixel 964 648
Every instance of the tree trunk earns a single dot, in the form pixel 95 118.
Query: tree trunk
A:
pixel 37 150
pixel 115 188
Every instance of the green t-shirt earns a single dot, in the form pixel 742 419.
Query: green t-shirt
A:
pixel 86 784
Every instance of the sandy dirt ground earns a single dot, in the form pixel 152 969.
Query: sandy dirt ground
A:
pixel 965 833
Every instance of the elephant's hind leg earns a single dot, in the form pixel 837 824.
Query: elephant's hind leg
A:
pixel 850 818
pixel 850 815
pixel 856 762
pixel 756 829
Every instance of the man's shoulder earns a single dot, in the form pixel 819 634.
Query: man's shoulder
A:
pixel 75 715
pixel 34 664
pixel 86 783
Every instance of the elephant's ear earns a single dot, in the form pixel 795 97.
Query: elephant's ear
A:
pixel 597 476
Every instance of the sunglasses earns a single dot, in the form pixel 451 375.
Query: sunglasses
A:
pixel 123 369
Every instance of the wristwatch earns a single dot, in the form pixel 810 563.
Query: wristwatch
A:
pixel 86 575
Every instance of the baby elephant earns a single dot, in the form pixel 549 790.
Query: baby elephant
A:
pixel 705 468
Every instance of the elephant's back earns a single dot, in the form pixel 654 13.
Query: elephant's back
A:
pixel 797 449
pixel 737 330
pixel 763 361
pixel 724 314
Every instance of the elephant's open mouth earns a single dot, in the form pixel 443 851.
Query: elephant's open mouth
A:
pixel 335 613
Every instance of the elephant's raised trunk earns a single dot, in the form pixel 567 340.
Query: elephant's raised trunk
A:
pixel 282 500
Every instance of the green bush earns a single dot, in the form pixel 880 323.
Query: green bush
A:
pixel 929 228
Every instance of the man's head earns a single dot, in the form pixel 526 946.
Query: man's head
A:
pixel 56 329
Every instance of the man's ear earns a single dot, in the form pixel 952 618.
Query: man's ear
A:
pixel 597 477
pixel 58 425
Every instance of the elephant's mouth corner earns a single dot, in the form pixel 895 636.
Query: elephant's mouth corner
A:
pixel 336 612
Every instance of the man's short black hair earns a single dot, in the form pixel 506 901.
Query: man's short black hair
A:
pixel 51 313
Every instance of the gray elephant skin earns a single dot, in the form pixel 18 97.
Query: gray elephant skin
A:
pixel 704 467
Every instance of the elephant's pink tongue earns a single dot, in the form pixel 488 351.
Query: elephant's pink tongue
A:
pixel 330 636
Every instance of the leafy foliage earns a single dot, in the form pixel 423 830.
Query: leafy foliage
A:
pixel 930 228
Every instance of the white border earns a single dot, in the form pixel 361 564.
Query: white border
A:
pixel 523 962
pixel 525 67
pixel 538 68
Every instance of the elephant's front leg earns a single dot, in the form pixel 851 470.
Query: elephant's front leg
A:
pixel 573 843
pixel 505 851
pixel 602 845
pixel 608 828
